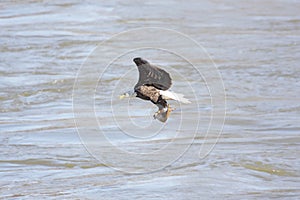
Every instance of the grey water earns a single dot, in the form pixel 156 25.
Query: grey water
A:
pixel 65 134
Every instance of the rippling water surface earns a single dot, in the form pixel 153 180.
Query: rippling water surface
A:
pixel 256 48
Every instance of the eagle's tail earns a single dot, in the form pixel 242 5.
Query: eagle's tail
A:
pixel 168 95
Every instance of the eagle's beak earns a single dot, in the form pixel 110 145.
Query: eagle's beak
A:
pixel 122 96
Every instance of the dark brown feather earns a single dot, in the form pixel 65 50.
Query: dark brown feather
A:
pixel 151 75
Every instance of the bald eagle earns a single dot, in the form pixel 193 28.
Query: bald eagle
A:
pixel 153 85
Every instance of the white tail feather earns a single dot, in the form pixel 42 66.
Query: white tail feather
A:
pixel 168 95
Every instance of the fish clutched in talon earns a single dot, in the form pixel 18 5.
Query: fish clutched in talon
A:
pixel 153 85
pixel 163 114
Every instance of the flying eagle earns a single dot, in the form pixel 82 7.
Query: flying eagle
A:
pixel 153 85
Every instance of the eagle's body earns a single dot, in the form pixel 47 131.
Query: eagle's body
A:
pixel 153 85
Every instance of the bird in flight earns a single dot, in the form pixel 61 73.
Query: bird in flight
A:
pixel 153 85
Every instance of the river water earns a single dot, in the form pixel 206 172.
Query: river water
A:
pixel 53 71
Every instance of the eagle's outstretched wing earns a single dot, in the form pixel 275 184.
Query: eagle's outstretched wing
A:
pixel 152 75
